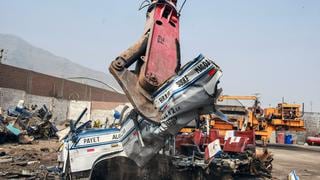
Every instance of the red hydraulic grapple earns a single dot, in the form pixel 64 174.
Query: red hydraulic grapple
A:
pixel 156 56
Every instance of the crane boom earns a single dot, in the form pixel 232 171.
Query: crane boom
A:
pixel 227 97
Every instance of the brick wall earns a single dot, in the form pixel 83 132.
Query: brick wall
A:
pixel 43 85
pixel 312 123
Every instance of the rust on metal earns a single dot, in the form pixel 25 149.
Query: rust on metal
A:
pixel 136 95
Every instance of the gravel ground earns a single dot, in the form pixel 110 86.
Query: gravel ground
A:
pixel 28 160
pixel 306 163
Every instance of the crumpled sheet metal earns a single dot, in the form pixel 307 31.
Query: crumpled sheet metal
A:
pixel 192 92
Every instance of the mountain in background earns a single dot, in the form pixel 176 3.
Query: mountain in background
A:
pixel 20 53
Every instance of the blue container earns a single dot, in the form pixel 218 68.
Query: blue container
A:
pixel 288 139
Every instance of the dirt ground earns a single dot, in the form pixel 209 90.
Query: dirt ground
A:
pixel 305 163
pixel 32 160
pixel 28 161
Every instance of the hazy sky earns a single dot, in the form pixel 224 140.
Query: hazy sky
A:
pixel 269 47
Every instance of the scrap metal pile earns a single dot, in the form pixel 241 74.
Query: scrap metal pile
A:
pixel 29 161
pixel 24 125
pixel 165 98
pixel 232 155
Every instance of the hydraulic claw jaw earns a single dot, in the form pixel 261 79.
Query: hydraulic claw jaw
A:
pixel 140 98
pixel 156 56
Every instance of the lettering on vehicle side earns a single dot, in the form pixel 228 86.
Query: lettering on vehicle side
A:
pixel 202 66
pixel 184 80
pixel 119 135
pixel 165 96
pixel 171 112
pixel 168 123
pixel 91 140
pixel 181 82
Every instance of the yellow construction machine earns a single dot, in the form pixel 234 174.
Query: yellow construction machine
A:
pixel 285 116
pixel 252 117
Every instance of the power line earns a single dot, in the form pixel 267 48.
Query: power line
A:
pixel 92 79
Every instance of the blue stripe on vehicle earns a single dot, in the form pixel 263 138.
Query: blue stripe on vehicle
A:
pixel 103 143
pixel 188 67
pixel 212 64
pixel 91 132
pixel 106 143
pixel 186 86
pixel 101 131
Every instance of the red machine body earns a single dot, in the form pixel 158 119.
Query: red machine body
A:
pixel 235 144
pixel 199 138
pixel 250 134
pixel 163 50
pixel 156 56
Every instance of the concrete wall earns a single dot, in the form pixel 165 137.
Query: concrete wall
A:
pixel 76 108
pixel 10 97
pixel 312 123
pixel 60 109
pixel 38 100
pixel 105 111
pixel 102 116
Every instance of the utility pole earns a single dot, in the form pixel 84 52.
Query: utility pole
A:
pixel 1 55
